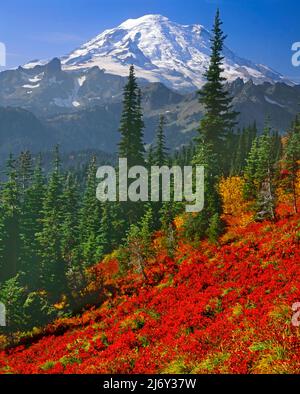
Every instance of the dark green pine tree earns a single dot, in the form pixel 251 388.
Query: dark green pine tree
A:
pixel 277 146
pixel 13 296
pixel 251 185
pixel 30 226
pixel 131 145
pixel 150 157
pixel 265 172
pixel 52 262
pixel 138 150
pixel 219 118
pixel 260 173
pixel 252 134
pixel 90 219
pixel 106 240
pixel 25 171
pixel 10 222
pixel 74 272
pixel 207 222
pixel 236 165
pixel 160 151
pixel 242 148
pixel 162 212
pixel 292 160
pixel 70 227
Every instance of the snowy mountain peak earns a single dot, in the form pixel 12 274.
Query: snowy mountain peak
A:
pixel 162 51
pixel 150 18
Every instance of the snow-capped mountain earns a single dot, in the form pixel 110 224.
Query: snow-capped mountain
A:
pixel 162 51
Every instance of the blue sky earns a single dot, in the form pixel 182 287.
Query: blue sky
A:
pixel 260 30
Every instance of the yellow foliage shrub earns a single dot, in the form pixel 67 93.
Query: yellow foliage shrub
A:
pixel 231 190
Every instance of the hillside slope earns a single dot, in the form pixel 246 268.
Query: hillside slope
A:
pixel 210 309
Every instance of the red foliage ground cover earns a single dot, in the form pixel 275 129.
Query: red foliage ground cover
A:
pixel 210 309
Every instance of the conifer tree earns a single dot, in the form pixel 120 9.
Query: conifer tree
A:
pixel 292 160
pixel 236 166
pixel 106 238
pixel 244 141
pixel 90 218
pixel 265 175
pixel 219 118
pixel 70 218
pixel 160 152
pixel 139 242
pixel 251 186
pixel 260 173
pixel 10 222
pixel 150 157
pixel 31 225
pixel 25 171
pixel 52 263
pixel 12 295
pixel 131 145
pixel 201 224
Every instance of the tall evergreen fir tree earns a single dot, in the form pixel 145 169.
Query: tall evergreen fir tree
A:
pixel 31 225
pixel 219 119
pixel 70 220
pixel 107 237
pixel 215 139
pixel 243 143
pixel 265 172
pixel 238 153
pixel 250 171
pixel 160 158
pixel 160 152
pixel 292 161
pixel 13 295
pixel 207 222
pixel 52 263
pixel 10 222
pixel 138 149
pixel 150 157
pixel 25 171
pixel 260 173
pixel 90 218
pixel 131 145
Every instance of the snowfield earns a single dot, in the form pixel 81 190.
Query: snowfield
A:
pixel 162 51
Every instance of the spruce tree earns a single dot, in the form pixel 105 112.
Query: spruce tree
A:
pixel 236 166
pixel 90 219
pixel 70 218
pixel 260 173
pixel 52 263
pixel 106 238
pixel 131 145
pixel 251 185
pixel 207 222
pixel 243 143
pixel 25 171
pixel 219 118
pixel 265 175
pixel 160 152
pixel 30 226
pixel 13 295
pixel 10 222
pixel 292 160
pixel 150 157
